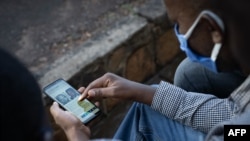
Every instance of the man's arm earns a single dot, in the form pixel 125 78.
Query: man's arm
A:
pixel 200 111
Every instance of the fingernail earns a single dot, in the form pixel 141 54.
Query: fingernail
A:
pixel 80 97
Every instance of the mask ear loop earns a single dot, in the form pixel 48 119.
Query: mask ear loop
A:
pixel 217 46
pixel 215 51
pixel 210 13
pixel 191 29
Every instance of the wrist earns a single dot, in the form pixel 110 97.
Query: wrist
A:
pixel 144 93
pixel 77 134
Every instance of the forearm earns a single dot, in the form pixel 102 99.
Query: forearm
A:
pixel 142 93
pixel 76 134
pixel 201 111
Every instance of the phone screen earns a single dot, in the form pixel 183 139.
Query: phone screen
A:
pixel 63 93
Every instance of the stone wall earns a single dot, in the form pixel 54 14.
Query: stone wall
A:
pixel 148 44
pixel 137 59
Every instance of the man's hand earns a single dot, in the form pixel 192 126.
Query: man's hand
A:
pixel 113 86
pixel 74 129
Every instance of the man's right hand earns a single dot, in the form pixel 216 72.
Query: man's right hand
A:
pixel 114 86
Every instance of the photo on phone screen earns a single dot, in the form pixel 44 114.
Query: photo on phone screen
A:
pixel 64 94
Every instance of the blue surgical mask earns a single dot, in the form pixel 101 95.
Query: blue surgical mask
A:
pixel 208 62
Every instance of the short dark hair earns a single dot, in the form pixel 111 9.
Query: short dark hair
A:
pixel 237 13
pixel 22 111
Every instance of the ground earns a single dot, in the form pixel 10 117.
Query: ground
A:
pixel 41 31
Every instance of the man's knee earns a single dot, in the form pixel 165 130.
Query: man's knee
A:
pixel 185 73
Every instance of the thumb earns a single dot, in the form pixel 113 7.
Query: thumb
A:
pixel 55 109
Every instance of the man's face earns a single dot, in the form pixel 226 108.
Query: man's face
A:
pixel 179 13
pixel 202 39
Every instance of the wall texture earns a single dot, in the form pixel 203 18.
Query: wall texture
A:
pixel 142 54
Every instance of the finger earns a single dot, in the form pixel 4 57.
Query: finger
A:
pixel 55 109
pixel 81 89
pixel 98 93
pixel 97 104
pixel 95 84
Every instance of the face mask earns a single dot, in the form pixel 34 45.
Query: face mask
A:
pixel 208 62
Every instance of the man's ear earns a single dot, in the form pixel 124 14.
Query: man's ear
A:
pixel 216 31
pixel 216 36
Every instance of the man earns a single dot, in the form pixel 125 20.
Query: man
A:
pixel 197 73
pixel 171 113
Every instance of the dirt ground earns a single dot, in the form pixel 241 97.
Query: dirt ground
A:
pixel 39 31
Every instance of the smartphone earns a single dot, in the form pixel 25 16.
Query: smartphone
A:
pixel 67 97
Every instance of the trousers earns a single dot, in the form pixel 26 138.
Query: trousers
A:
pixel 194 77
pixel 142 123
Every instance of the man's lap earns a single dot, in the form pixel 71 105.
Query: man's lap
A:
pixel 143 123
pixel 193 77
